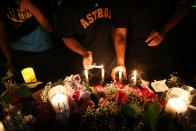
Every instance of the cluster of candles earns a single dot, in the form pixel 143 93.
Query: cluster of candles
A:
pixel 120 73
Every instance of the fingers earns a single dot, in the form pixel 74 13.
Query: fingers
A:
pixel 117 70
pixel 155 42
pixel 151 36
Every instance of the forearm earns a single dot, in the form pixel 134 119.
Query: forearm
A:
pixel 119 40
pixel 178 15
pixel 74 45
pixel 39 16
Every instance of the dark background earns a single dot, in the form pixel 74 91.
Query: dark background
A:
pixel 184 32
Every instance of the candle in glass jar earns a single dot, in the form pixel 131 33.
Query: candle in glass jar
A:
pixel 60 102
pixel 175 105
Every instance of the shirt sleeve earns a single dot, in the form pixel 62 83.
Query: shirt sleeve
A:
pixel 64 21
pixel 119 14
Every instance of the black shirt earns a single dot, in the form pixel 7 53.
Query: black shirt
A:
pixel 89 23
pixel 21 22
pixel 140 17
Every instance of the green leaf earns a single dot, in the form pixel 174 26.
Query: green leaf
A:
pixel 8 99
pixel 23 91
pixel 152 112
pixel 131 110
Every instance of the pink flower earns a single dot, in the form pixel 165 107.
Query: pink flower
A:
pixel 121 96
pixel 118 85
pixel 76 78
pixel 75 96
pixel 98 88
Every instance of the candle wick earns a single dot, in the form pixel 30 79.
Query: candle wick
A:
pixel 59 106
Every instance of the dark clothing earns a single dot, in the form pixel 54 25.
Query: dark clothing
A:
pixel 140 17
pixel 20 23
pixel 89 23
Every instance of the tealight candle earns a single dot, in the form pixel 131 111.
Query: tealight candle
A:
pixel 120 74
pixel 86 76
pixel 175 105
pixel 29 75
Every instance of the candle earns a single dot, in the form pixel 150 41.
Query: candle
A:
pixel 58 98
pixel 102 75
pixel 134 78
pixel 175 105
pixel 120 74
pixel 95 66
pixel 28 75
pixel 86 76
pixel 60 102
pixel 1 127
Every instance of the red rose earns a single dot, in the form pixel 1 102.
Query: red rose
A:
pixel 15 99
pixel 98 88
pixel 44 111
pixel 121 96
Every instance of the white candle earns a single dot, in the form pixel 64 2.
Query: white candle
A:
pixel 95 66
pixel 120 74
pixel 1 127
pixel 102 75
pixel 175 105
pixel 86 76
pixel 60 102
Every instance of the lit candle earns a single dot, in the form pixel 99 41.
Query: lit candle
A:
pixel 1 127
pixel 58 99
pixel 102 75
pixel 95 66
pixel 86 76
pixel 29 75
pixel 134 78
pixel 120 74
pixel 60 102
pixel 175 105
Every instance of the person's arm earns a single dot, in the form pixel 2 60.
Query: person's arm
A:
pixel 119 40
pixel 39 16
pixel 156 37
pixel 4 47
pixel 75 46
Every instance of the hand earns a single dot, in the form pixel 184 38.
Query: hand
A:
pixel 87 60
pixel 155 38
pixel 116 70
pixel 26 4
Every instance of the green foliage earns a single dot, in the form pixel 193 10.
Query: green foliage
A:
pixel 8 98
pixel 152 112
pixel 132 110
pixel 23 91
